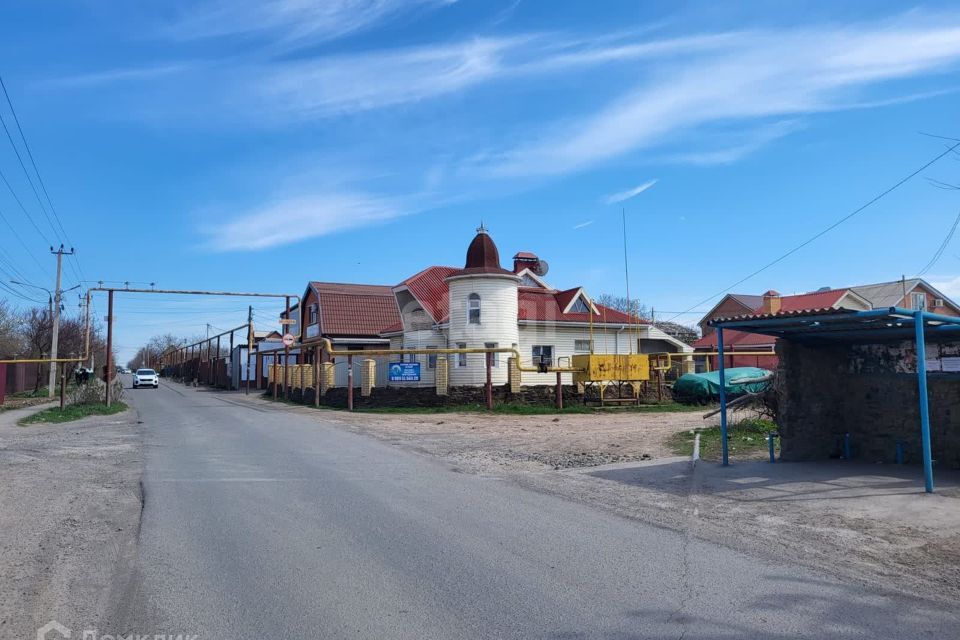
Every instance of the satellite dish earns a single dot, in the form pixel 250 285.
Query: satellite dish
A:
pixel 542 268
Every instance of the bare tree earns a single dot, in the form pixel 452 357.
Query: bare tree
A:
pixel 620 303
pixel 36 327
pixel 11 342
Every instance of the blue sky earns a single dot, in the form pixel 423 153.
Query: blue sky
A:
pixel 254 145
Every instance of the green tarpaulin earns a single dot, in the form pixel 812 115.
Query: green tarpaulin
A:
pixel 706 386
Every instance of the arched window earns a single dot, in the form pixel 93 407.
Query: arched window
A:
pixel 473 309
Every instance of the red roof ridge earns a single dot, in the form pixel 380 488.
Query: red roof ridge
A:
pixel 423 272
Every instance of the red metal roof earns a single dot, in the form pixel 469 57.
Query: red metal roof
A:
pixel 564 297
pixel 732 339
pixel 811 301
pixel 356 310
pixel 545 305
pixel 430 289
pixel 783 314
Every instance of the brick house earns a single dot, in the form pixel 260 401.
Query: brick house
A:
pixel 914 293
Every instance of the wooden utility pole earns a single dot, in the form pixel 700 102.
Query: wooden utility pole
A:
pixel 55 338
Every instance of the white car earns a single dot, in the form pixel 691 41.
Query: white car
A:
pixel 146 378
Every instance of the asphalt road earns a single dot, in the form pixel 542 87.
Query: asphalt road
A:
pixel 259 523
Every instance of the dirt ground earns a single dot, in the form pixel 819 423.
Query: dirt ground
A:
pixel 481 443
pixel 69 516
pixel 868 523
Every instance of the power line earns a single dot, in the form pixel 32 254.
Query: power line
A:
pixel 36 170
pixel 941 248
pixel 23 208
pixel 29 179
pixel 24 244
pixel 830 228
pixel 32 161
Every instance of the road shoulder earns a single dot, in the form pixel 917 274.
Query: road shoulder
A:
pixel 69 517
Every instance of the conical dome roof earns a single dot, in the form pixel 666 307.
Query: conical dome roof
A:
pixel 482 256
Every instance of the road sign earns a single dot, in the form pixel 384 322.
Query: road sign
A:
pixel 288 339
pixel 288 321
pixel 404 372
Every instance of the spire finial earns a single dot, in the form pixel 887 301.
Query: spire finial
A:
pixel 481 228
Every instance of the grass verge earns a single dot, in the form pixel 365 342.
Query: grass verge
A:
pixel 747 438
pixel 73 412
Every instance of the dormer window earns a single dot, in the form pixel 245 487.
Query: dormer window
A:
pixel 527 281
pixel 473 309
pixel 579 306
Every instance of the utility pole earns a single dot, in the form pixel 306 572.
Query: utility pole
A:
pixel 57 296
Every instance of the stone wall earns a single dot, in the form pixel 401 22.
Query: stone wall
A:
pixel 869 391
pixel 427 396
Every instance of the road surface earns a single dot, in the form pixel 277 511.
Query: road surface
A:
pixel 260 523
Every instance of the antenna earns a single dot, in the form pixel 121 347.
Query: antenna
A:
pixel 626 268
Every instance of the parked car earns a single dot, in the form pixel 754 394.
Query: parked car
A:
pixel 146 378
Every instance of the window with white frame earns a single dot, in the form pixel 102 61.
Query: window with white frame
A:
pixel 461 357
pixel 583 346
pixel 579 306
pixel 919 300
pixel 312 314
pixel 473 309
pixel 543 354
pixel 494 357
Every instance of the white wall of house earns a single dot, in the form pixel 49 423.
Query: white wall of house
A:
pixel 497 326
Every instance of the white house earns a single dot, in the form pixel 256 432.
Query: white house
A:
pixel 483 305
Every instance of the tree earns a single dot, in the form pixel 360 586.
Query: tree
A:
pixel 36 327
pixel 683 333
pixel 11 342
pixel 620 303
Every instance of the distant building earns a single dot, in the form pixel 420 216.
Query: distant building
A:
pixel 914 293
pixel 479 305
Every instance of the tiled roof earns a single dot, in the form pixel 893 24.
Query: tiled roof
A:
pixel 782 314
pixel 543 305
pixel 732 339
pixel 430 289
pixel 394 328
pixel 886 294
pixel 749 301
pixel 564 297
pixel 356 310
pixel 815 300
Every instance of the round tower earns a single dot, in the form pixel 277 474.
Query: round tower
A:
pixel 483 312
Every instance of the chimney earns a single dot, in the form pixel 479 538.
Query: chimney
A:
pixel 771 302
pixel 525 260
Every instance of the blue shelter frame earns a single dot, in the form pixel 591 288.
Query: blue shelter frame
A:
pixel 832 326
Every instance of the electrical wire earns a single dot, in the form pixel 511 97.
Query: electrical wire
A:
pixel 78 269
pixel 32 161
pixel 941 248
pixel 828 229
pixel 22 243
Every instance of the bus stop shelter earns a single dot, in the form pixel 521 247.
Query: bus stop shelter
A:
pixel 833 326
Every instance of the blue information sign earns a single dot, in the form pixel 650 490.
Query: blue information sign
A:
pixel 404 372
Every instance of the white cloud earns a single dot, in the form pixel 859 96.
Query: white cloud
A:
pixel 583 224
pixel 629 193
pixel 110 76
pixel 948 285
pixel 759 76
pixel 288 20
pixel 351 83
pixel 294 219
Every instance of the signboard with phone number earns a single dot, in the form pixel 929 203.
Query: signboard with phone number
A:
pixel 404 372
